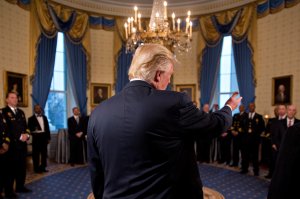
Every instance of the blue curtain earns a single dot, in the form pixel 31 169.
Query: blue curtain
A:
pixel 244 71
pixel 44 65
pixel 101 22
pixel 76 59
pixel 124 61
pixel 273 6
pixel 210 66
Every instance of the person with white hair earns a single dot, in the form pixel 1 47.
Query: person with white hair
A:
pixel 141 141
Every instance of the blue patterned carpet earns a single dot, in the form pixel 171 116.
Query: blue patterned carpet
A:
pixel 232 184
pixel 75 184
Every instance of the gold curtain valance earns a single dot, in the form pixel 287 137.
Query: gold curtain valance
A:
pixel 210 32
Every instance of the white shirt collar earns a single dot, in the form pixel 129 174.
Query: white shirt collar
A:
pixel 136 79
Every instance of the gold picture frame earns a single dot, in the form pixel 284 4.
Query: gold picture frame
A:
pixel 17 82
pixel 99 93
pixel 189 89
pixel 282 90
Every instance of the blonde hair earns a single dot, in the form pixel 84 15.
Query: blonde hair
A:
pixel 148 59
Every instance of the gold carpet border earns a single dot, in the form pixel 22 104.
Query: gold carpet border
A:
pixel 208 194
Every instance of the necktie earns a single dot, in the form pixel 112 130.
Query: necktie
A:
pixel 77 120
pixel 16 111
pixel 290 123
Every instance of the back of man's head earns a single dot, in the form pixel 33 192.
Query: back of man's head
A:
pixel 148 59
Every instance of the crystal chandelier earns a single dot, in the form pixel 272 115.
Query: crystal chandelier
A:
pixel 176 37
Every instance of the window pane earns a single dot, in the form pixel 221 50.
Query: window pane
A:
pixel 227 46
pixel 56 110
pixel 225 83
pixel 59 81
pixel 223 99
pixel 225 67
pixel 59 61
pixel 234 84
pixel 60 42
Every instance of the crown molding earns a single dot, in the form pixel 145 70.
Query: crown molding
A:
pixel 114 8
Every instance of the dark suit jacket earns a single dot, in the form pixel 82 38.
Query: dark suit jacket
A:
pixel 33 125
pixel 3 131
pixel 257 127
pixel 278 129
pixel 239 123
pixel 74 128
pixel 141 144
pixel 285 180
pixel 16 125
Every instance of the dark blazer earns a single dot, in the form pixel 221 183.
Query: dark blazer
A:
pixel 278 129
pixel 287 173
pixel 3 131
pixel 141 144
pixel 74 128
pixel 33 125
pixel 16 125
pixel 257 126
pixel 239 123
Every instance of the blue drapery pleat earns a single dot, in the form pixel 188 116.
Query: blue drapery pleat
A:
pixel 244 71
pixel 43 70
pixel 101 21
pixel 76 59
pixel 272 6
pixel 210 66
pixel 124 61
pixel 62 26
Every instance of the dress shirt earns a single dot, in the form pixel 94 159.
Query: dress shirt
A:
pixel 76 118
pixel 282 117
pixel 41 122
pixel 290 121
pixel 251 115
pixel 13 109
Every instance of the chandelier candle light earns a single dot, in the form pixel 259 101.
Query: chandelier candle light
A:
pixel 159 31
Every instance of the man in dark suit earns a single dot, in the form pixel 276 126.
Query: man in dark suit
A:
pixel 203 145
pixel 4 146
pixel 278 130
pixel 39 128
pixel 18 134
pixel 280 114
pixel 141 141
pixel 255 125
pixel 76 130
pixel 287 173
pixel 237 130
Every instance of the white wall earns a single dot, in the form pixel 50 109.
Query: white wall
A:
pixel 278 44
pixel 278 39
pixel 14 42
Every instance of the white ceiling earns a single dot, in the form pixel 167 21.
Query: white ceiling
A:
pixel 124 8
pixel 150 2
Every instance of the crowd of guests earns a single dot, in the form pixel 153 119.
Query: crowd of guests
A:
pixel 15 132
pixel 240 145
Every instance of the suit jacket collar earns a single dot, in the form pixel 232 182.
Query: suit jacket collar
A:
pixel 138 83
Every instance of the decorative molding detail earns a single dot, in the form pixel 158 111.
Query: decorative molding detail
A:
pixel 200 7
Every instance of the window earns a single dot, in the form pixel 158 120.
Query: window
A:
pixel 56 105
pixel 227 80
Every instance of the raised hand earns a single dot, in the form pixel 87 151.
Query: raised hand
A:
pixel 233 101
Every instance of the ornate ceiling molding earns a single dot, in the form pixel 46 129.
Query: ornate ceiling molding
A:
pixel 114 8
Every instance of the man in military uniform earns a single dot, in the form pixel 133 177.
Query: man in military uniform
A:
pixel 255 125
pixel 237 130
pixel 4 146
pixel 18 134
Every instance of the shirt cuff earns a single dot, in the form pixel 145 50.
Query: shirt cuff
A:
pixel 229 106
